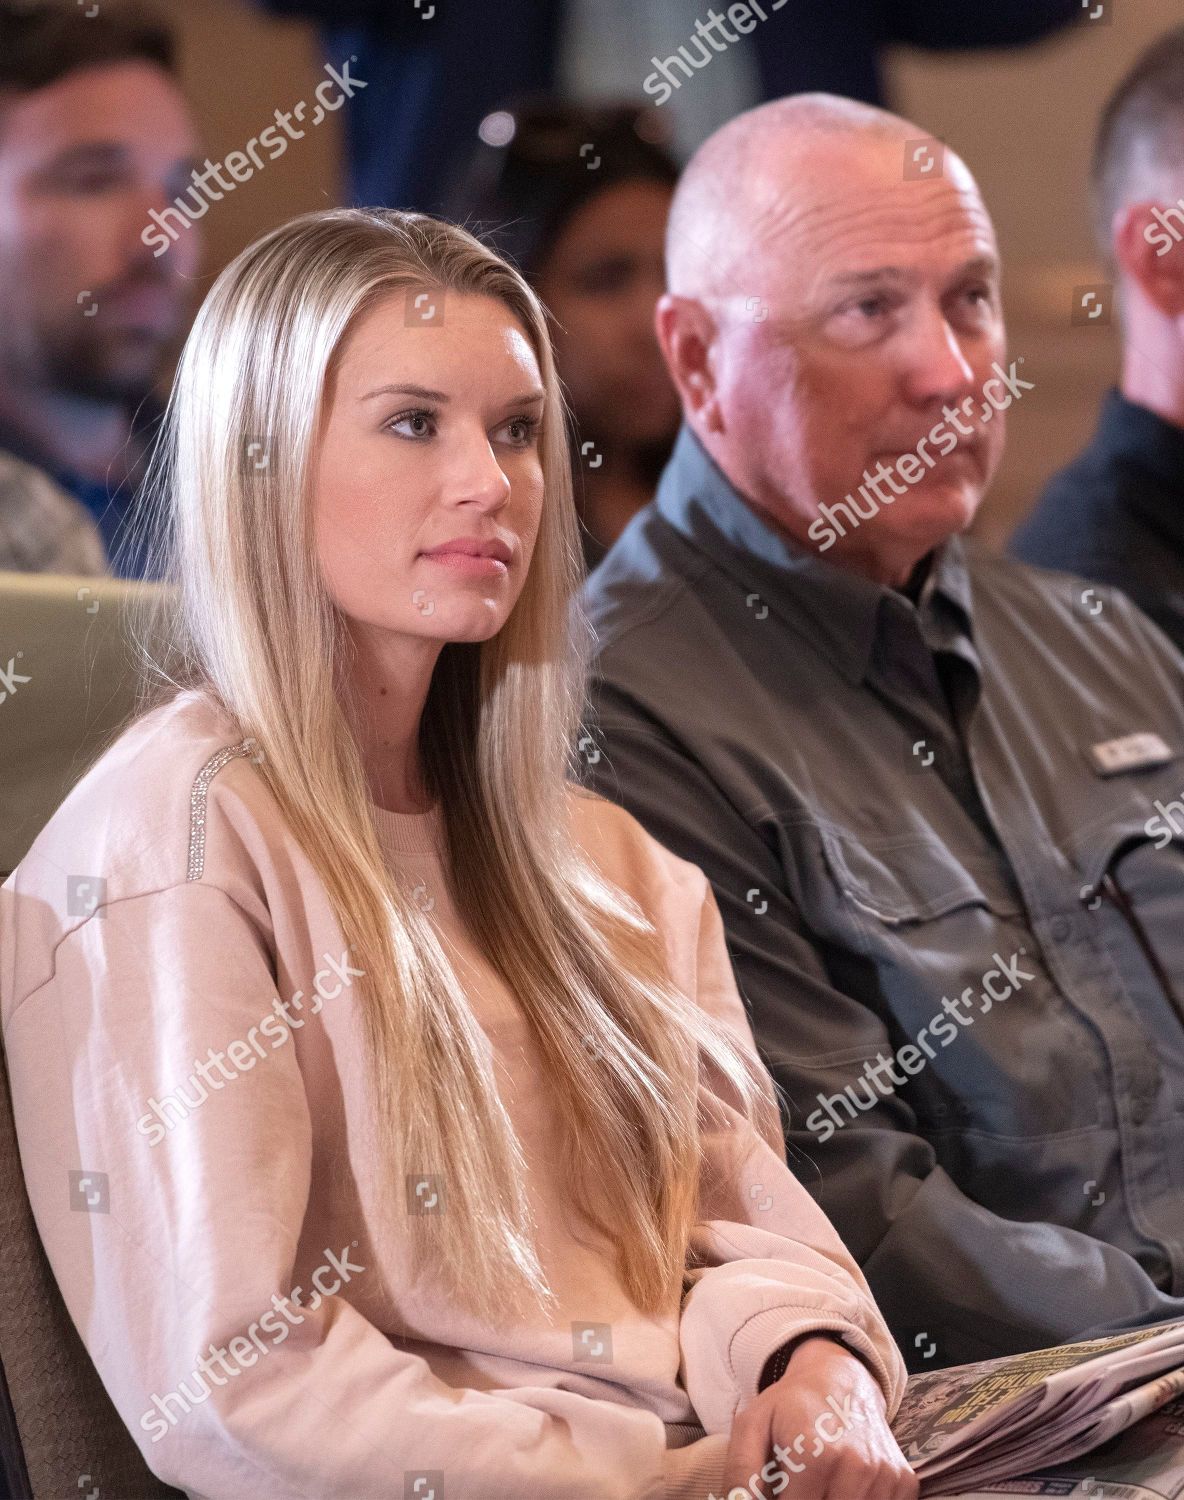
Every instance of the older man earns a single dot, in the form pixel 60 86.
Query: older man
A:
pixel 935 791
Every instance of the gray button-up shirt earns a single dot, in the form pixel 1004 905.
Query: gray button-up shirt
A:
pixel 947 840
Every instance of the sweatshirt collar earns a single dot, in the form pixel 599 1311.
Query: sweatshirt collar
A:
pixel 407 833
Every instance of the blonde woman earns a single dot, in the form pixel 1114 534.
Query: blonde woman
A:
pixel 386 1103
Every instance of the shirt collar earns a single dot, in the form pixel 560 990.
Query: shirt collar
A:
pixel 840 611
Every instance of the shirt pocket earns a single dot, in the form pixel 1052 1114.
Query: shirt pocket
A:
pixel 907 921
pixel 1131 862
pixel 910 879
pixel 1132 824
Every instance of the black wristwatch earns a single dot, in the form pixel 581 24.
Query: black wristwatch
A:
pixel 778 1362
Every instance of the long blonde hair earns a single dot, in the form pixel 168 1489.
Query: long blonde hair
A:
pixel 253 625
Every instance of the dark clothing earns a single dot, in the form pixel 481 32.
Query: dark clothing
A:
pixel 111 504
pixel 594 551
pixel 934 897
pixel 1116 514
pixel 431 81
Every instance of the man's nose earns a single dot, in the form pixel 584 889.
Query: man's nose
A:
pixel 182 256
pixel 937 368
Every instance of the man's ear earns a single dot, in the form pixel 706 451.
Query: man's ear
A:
pixel 1148 241
pixel 686 332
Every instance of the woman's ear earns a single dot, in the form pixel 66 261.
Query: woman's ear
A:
pixel 1148 240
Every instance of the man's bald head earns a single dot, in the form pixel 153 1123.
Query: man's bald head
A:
pixel 766 169
pixel 833 289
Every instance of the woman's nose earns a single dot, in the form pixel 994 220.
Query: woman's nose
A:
pixel 478 478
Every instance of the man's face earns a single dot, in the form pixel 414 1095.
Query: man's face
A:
pixel 85 308
pixel 879 312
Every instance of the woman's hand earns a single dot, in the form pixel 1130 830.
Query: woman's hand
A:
pixel 818 1433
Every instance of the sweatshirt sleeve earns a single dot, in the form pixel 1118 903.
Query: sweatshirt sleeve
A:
pixel 768 1265
pixel 177 1251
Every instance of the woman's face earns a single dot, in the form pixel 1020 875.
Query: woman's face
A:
pixel 430 449
pixel 601 281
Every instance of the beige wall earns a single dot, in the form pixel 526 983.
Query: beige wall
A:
pixel 239 66
pixel 1024 121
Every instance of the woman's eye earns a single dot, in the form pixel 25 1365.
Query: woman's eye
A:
pixel 420 423
pixel 523 430
pixel 606 277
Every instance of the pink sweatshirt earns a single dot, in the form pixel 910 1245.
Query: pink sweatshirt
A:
pixel 165 918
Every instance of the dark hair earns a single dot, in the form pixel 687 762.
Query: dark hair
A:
pixel 1147 101
pixel 540 160
pixel 43 40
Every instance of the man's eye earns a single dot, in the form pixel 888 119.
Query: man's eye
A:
pixel 97 180
pixel 865 309
pixel 978 303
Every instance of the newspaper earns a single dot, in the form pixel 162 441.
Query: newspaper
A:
pixel 1144 1463
pixel 1109 1411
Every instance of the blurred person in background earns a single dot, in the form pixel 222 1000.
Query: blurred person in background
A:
pixel 587 228
pixel 94 133
pixel 1116 513
pixel 435 68
pixel 43 529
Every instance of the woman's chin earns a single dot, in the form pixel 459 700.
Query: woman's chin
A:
pixel 468 621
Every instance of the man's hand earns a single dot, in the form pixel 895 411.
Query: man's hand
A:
pixel 822 1426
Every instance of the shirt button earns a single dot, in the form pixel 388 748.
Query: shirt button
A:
pixel 1061 928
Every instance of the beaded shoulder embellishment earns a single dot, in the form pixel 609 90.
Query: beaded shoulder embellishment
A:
pixel 197 803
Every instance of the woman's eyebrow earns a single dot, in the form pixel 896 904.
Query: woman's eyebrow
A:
pixel 406 390
pixel 424 394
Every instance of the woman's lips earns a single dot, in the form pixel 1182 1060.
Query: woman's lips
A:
pixel 464 562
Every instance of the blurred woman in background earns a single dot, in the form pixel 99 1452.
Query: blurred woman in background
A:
pixel 577 197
